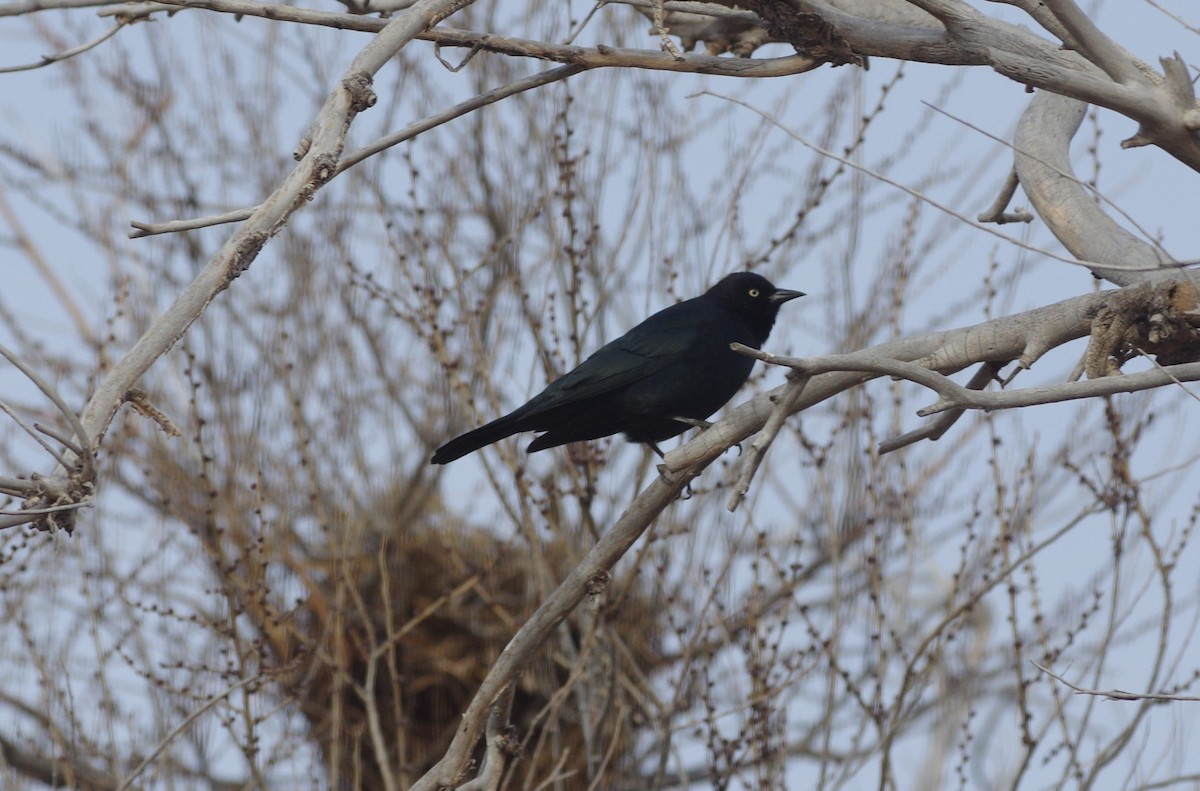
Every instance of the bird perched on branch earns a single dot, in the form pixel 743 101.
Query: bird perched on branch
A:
pixel 654 382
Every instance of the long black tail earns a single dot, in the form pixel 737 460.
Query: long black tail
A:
pixel 495 431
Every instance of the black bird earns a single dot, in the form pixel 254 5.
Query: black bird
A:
pixel 675 365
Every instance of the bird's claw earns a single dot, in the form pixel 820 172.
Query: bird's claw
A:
pixel 665 475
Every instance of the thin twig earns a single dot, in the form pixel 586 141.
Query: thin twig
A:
pixel 181 727
pixel 1180 20
pixel 1117 694
pixel 59 437
pixel 350 160
pixel 996 212
pixel 600 56
pixel 660 27
pixel 351 95
pixel 46 270
pixel 31 431
pixel 46 60
pixel 379 742
pixel 1091 188
pixel 23 7
pixel 762 441
pixel 704 9
pixel 934 429
pixel 175 226
pixel 1164 369
pixel 825 152
pixel 955 396
pixel 73 420
pixel 1002 576
pixel 612 545
pixel 50 509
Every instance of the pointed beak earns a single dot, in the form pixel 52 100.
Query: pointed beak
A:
pixel 782 295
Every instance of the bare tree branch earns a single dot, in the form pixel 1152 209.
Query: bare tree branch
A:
pixel 1043 163
pixel 1024 337
pixel 183 725
pixel 498 742
pixel 533 634
pixel 53 773
pixel 586 57
pixel 1134 270
pixel 1163 104
pixel 22 7
pixel 1117 694
pixel 934 429
pixel 58 57
pixel 503 245
pixel 384 143
pixel 1094 45
pixel 753 458
pixel 956 397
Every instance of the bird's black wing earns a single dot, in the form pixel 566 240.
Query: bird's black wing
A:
pixel 669 335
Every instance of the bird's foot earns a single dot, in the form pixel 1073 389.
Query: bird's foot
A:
pixel 665 475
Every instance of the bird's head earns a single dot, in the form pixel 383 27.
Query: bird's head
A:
pixel 754 297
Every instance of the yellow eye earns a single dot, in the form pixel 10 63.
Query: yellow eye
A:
pixel 753 292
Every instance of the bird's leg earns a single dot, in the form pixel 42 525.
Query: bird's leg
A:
pixel 693 422
pixel 702 425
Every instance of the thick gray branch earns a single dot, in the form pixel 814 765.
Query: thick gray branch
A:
pixel 1069 209
pixel 1082 63
pixel 1023 337
pixel 955 396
